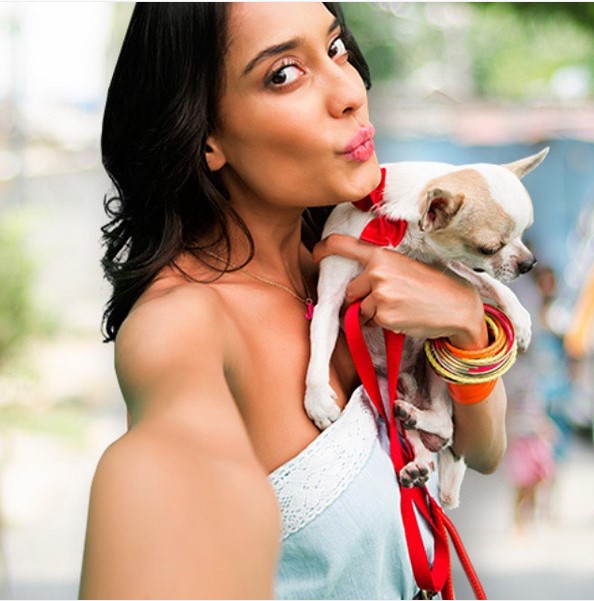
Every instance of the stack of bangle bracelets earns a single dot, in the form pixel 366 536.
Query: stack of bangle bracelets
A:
pixel 476 370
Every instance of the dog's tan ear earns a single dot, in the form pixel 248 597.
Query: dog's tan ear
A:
pixel 524 166
pixel 440 207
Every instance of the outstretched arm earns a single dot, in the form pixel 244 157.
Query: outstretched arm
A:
pixel 180 507
pixel 408 296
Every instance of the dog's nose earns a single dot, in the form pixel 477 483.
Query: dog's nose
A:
pixel 526 265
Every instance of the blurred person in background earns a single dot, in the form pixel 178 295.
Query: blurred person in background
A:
pixel 555 380
pixel 578 338
pixel 530 457
pixel 539 388
pixel 578 344
pixel 225 134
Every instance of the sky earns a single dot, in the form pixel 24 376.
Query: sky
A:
pixel 58 52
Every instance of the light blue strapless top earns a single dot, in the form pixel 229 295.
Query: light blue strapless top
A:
pixel 342 531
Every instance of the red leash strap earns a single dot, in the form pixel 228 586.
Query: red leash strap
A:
pixel 431 578
pixel 436 578
pixel 475 583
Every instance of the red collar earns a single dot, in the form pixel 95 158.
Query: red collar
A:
pixel 380 230
pixel 375 197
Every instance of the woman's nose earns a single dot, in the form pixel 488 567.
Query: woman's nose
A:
pixel 346 90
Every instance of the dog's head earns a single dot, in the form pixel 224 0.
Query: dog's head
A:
pixel 477 215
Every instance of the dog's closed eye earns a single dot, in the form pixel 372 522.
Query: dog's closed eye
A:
pixel 488 251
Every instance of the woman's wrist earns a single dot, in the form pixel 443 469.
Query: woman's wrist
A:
pixel 472 333
pixel 471 394
pixel 471 374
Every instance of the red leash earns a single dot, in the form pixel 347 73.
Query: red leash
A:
pixel 435 578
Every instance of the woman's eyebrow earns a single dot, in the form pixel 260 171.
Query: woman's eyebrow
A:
pixel 278 49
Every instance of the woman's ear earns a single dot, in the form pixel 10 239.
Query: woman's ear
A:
pixel 215 157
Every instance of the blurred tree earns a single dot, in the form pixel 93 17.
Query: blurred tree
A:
pixel 373 29
pixel 501 50
pixel 517 50
pixel 581 13
pixel 16 274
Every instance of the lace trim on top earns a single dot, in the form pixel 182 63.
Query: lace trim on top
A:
pixel 316 477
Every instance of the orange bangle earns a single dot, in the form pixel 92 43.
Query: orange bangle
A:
pixel 471 394
pixel 496 345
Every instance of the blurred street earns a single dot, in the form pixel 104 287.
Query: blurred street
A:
pixel 553 559
pixel 45 490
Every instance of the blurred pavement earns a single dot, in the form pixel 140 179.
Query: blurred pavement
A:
pixel 552 559
pixel 45 491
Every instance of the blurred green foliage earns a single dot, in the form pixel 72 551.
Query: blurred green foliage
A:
pixel 17 315
pixel 375 35
pixel 580 13
pixel 517 50
pixel 67 420
pixel 512 50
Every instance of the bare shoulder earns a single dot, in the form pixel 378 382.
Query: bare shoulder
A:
pixel 171 361
pixel 169 519
pixel 169 327
pixel 171 354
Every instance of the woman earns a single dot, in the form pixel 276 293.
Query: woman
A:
pixel 225 125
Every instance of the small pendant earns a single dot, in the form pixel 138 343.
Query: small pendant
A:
pixel 310 309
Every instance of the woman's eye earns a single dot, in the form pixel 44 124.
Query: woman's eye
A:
pixel 285 75
pixel 337 48
pixel 290 72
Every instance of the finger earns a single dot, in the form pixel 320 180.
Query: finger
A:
pixel 345 246
pixel 368 309
pixel 359 287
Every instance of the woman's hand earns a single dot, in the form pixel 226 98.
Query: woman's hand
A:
pixel 405 295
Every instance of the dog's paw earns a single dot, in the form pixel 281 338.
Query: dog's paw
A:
pixel 522 323
pixel 416 473
pixel 406 413
pixel 523 337
pixel 320 405
pixel 449 494
pixel 449 499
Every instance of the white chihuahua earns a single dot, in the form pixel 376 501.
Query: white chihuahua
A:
pixel 469 219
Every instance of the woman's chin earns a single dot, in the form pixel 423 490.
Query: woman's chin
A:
pixel 362 180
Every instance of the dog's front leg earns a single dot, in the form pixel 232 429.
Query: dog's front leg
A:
pixel 489 287
pixel 320 399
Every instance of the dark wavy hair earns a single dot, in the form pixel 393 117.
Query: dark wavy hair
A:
pixel 161 106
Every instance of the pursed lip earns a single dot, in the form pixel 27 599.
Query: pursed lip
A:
pixel 363 135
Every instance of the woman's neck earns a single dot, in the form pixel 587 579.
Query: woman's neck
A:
pixel 276 234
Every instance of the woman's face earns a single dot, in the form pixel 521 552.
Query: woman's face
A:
pixel 288 114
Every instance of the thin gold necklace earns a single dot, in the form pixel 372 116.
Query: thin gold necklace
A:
pixel 308 301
